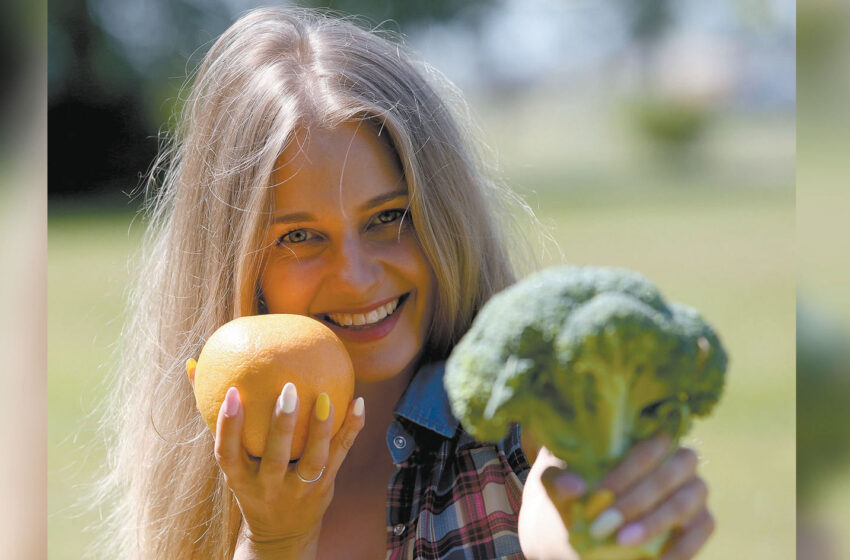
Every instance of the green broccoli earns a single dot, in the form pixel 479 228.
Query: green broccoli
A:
pixel 590 361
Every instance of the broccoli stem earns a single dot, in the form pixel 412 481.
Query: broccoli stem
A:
pixel 620 414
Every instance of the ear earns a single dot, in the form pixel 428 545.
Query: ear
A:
pixel 262 306
pixel 191 364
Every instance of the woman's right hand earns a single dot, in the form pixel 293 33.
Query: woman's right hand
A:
pixel 282 514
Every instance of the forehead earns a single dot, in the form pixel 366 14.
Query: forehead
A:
pixel 349 161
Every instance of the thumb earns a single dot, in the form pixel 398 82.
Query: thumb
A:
pixel 562 486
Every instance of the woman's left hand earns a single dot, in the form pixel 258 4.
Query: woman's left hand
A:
pixel 652 491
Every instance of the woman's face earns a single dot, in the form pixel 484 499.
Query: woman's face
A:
pixel 341 248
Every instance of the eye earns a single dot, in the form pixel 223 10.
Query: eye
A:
pixel 296 236
pixel 389 216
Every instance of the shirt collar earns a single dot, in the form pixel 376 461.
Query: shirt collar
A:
pixel 426 403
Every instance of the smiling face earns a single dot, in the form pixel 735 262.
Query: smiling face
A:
pixel 342 249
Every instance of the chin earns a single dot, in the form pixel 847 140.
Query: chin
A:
pixel 370 369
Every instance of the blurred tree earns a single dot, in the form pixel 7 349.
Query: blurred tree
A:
pixel 115 68
pixel 670 123
pixel 404 12
pixel 16 46
pixel 98 139
pixel 823 391
pixel 648 22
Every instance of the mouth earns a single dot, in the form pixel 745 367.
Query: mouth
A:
pixel 367 320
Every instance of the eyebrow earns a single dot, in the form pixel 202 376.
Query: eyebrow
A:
pixel 368 205
pixel 382 198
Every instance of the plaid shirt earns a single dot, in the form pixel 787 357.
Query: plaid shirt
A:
pixel 451 497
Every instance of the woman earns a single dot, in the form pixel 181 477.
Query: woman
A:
pixel 315 171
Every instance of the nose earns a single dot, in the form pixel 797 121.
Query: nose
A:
pixel 356 269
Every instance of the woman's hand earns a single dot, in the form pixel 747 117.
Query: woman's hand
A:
pixel 649 493
pixel 282 512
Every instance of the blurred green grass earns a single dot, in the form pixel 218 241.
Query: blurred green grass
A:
pixel 722 242
pixel 87 274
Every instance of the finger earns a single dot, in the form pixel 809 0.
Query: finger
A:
pixel 602 505
pixel 229 452
pixel 658 485
pixel 679 510
pixel 315 456
pixel 692 539
pixel 563 488
pixel 561 485
pixel 191 365
pixel 343 441
pixel 642 459
pixel 279 442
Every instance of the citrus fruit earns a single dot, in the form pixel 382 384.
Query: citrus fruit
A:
pixel 258 355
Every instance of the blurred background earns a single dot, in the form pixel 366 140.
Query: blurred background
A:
pixel 23 281
pixel 657 135
pixel 823 306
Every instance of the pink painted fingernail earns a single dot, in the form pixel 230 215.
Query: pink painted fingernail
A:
pixel 231 402
pixel 631 534
pixel 570 486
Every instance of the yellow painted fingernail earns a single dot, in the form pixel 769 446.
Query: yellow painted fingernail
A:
pixel 598 502
pixel 323 407
pixel 191 364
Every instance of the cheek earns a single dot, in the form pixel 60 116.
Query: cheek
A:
pixel 419 273
pixel 287 289
pixel 407 257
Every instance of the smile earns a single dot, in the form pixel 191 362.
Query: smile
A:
pixel 368 319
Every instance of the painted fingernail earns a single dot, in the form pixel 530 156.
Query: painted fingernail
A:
pixel 358 407
pixel 608 521
pixel 288 399
pixel 191 364
pixel 598 502
pixel 570 486
pixel 231 402
pixel 323 407
pixel 632 534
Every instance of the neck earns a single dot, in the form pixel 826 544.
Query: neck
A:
pixel 380 398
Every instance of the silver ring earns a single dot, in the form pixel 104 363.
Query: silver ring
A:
pixel 308 480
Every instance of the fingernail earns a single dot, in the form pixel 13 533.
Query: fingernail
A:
pixel 570 486
pixel 323 407
pixel 608 521
pixel 288 399
pixel 598 502
pixel 191 364
pixel 358 406
pixel 231 402
pixel 632 534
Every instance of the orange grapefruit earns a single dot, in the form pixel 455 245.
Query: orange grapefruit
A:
pixel 258 355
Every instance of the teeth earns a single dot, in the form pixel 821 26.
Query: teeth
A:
pixel 348 319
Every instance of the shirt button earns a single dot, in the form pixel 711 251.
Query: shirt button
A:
pixel 398 529
pixel 400 443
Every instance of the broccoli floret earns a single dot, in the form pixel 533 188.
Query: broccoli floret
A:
pixel 590 361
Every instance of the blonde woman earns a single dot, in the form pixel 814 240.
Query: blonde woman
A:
pixel 315 171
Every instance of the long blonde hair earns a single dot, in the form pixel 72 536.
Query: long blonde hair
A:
pixel 209 207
